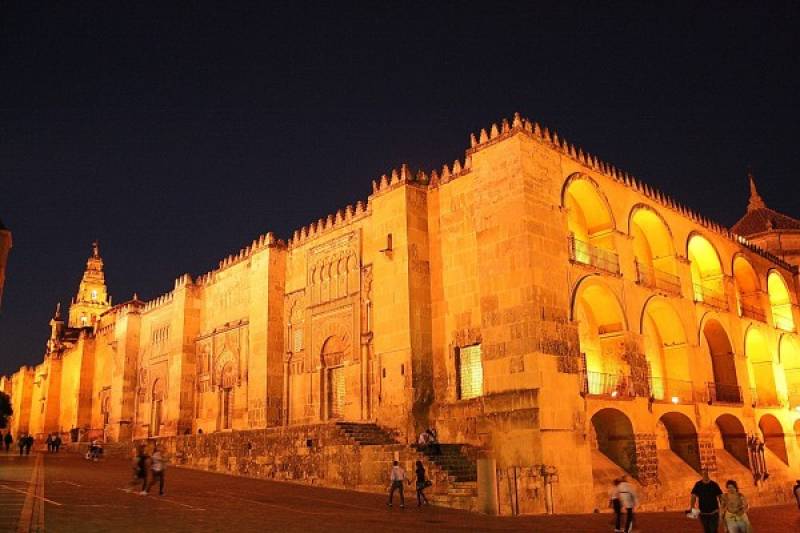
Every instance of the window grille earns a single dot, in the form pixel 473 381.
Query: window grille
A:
pixel 470 372
pixel 298 339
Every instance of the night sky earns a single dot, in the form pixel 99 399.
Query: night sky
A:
pixel 176 135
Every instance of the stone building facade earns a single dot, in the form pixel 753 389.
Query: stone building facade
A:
pixel 529 301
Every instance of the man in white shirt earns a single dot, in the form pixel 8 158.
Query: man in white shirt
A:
pixel 157 466
pixel 397 477
pixel 628 500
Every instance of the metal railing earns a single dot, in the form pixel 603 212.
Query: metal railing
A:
pixel 672 390
pixel 612 385
pixel 782 317
pixel 764 398
pixel 710 295
pixel 657 279
pixel 724 393
pixel 749 310
pixel 583 252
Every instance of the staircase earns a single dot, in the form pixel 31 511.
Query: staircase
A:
pixel 459 467
pixel 366 433
pixel 460 472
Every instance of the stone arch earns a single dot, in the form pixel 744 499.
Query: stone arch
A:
pixel 224 360
pixel 157 395
pixel 706 268
pixel 780 301
pixel 725 384
pixel 590 218
pixel 682 436
pixel 760 363
pixel 667 351
pixel 615 439
pixel 748 288
pixel 734 438
pixel 333 383
pixel 774 438
pixel 653 244
pixel 789 358
pixel 601 328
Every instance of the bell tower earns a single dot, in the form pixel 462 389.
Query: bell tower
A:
pixel 92 298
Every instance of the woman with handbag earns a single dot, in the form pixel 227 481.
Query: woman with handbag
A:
pixel 734 509
pixel 422 484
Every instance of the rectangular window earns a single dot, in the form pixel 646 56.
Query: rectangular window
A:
pixel 298 339
pixel 470 372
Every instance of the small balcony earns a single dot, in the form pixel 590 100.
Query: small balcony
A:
pixel 782 317
pixel 672 391
pixel 657 279
pixel 724 393
pixel 600 258
pixel 750 310
pixel 615 386
pixel 710 295
pixel 764 399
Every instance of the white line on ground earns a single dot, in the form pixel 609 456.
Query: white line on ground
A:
pixel 163 499
pixel 293 509
pixel 68 483
pixel 33 495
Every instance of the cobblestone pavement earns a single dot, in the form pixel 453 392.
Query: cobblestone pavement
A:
pixel 87 497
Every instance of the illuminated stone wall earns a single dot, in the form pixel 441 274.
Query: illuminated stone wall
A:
pixel 529 300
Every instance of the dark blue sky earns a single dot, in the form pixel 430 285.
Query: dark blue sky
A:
pixel 175 135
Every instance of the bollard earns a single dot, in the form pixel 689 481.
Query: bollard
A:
pixel 487 485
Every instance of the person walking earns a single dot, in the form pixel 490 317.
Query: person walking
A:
pixel 23 440
pixel 707 495
pixel 613 498
pixel 141 468
pixel 57 443
pixel 734 509
pixel 628 501
pixel 28 444
pixel 422 484
pixel 157 467
pixel 397 477
pixel 7 440
pixel 49 442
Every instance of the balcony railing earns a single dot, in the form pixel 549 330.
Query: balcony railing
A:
pixel 750 310
pixel 710 295
pixel 724 393
pixel 672 390
pixel 782 317
pixel 583 252
pixel 764 399
pixel 657 279
pixel 618 386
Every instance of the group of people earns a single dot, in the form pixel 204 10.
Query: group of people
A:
pixel 149 468
pixel 95 450
pixel 709 505
pixel 25 443
pixel 53 442
pixel 398 477
pixel 714 505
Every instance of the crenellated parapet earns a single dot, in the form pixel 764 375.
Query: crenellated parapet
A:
pixel 558 143
pixel 267 240
pixel 341 218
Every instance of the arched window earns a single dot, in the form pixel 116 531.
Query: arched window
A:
pixel 762 369
pixel 654 251
pixel 748 294
pixel 601 328
pixel 590 224
pixel 667 353
pixel 725 385
pixel 707 276
pixel 789 351
pixel 157 400
pixel 780 301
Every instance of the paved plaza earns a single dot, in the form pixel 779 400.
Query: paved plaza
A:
pixel 64 493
